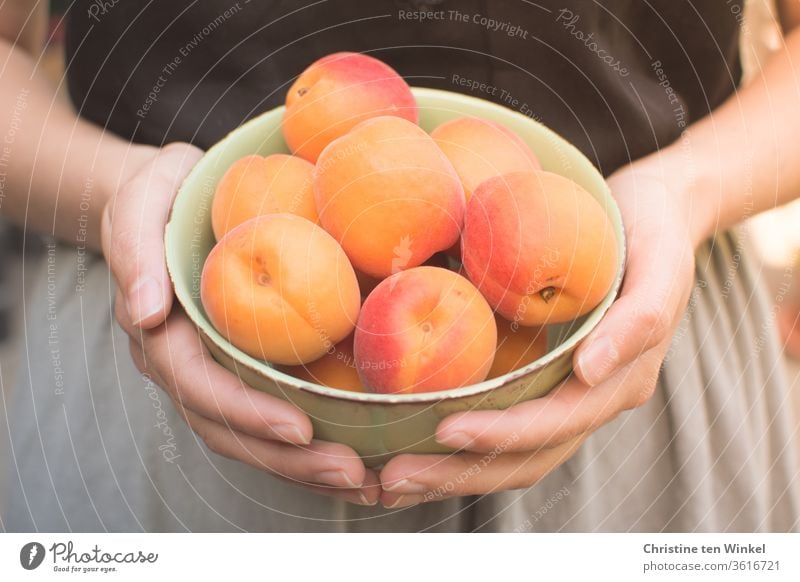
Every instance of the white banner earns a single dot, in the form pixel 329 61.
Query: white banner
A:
pixel 388 557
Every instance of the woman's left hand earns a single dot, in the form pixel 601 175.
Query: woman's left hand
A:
pixel 616 367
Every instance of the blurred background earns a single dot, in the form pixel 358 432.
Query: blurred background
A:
pixel 773 238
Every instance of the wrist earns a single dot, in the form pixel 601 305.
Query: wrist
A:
pixel 120 162
pixel 689 187
pixel 123 160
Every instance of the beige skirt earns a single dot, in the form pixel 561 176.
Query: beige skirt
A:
pixel 94 447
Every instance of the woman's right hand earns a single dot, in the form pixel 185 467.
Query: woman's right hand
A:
pixel 232 419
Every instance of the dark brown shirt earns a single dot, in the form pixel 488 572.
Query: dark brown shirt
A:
pixel 618 79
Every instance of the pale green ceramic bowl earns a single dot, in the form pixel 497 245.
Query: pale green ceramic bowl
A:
pixel 378 426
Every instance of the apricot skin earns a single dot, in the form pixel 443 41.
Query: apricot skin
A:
pixel 336 93
pixel 480 149
pixel 279 288
pixel 255 186
pixel 336 369
pixel 423 330
pixel 539 247
pixel 388 195
pixel 517 346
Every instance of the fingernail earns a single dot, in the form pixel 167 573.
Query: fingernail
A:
pixel 405 486
pixel 291 433
pixel 336 478
pixel 364 501
pixel 356 497
pixel 598 361
pixel 144 300
pixel 405 501
pixel 457 440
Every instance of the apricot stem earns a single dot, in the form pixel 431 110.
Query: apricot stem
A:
pixel 547 293
pixel 302 91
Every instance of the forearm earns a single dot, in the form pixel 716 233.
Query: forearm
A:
pixel 744 157
pixel 57 171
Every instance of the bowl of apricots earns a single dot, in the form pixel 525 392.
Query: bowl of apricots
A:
pixel 383 256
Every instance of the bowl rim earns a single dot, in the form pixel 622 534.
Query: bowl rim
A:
pixel 283 379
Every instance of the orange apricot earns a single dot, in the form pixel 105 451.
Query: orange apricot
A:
pixel 480 149
pixel 517 346
pixel 255 185
pixel 336 369
pixel 280 288
pixel 388 194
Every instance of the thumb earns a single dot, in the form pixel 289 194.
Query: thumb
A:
pixel 133 233
pixel 654 294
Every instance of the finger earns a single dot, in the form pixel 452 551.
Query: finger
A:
pixel 133 233
pixel 368 494
pixel 137 355
pixel 648 308
pixel 571 409
pixel 123 318
pixel 321 462
pixel 195 381
pixel 434 477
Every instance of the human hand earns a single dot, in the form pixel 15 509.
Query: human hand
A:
pixel 616 367
pixel 231 418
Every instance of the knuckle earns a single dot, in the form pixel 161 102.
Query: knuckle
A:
pixel 186 392
pixel 642 396
pixel 136 356
pixel 105 223
pixel 125 244
pixel 655 322
pixel 214 443
pixel 210 438
pixel 122 318
pixel 689 263
pixel 532 471
pixel 130 188
pixel 176 147
pixel 184 153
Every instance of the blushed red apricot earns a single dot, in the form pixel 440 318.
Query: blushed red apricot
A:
pixel 422 330
pixel 539 247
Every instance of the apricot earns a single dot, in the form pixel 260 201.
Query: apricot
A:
pixel 517 346
pixel 280 288
pixel 422 330
pixel 335 94
pixel 480 149
pixel 255 185
pixel 336 369
pixel 539 247
pixel 388 194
